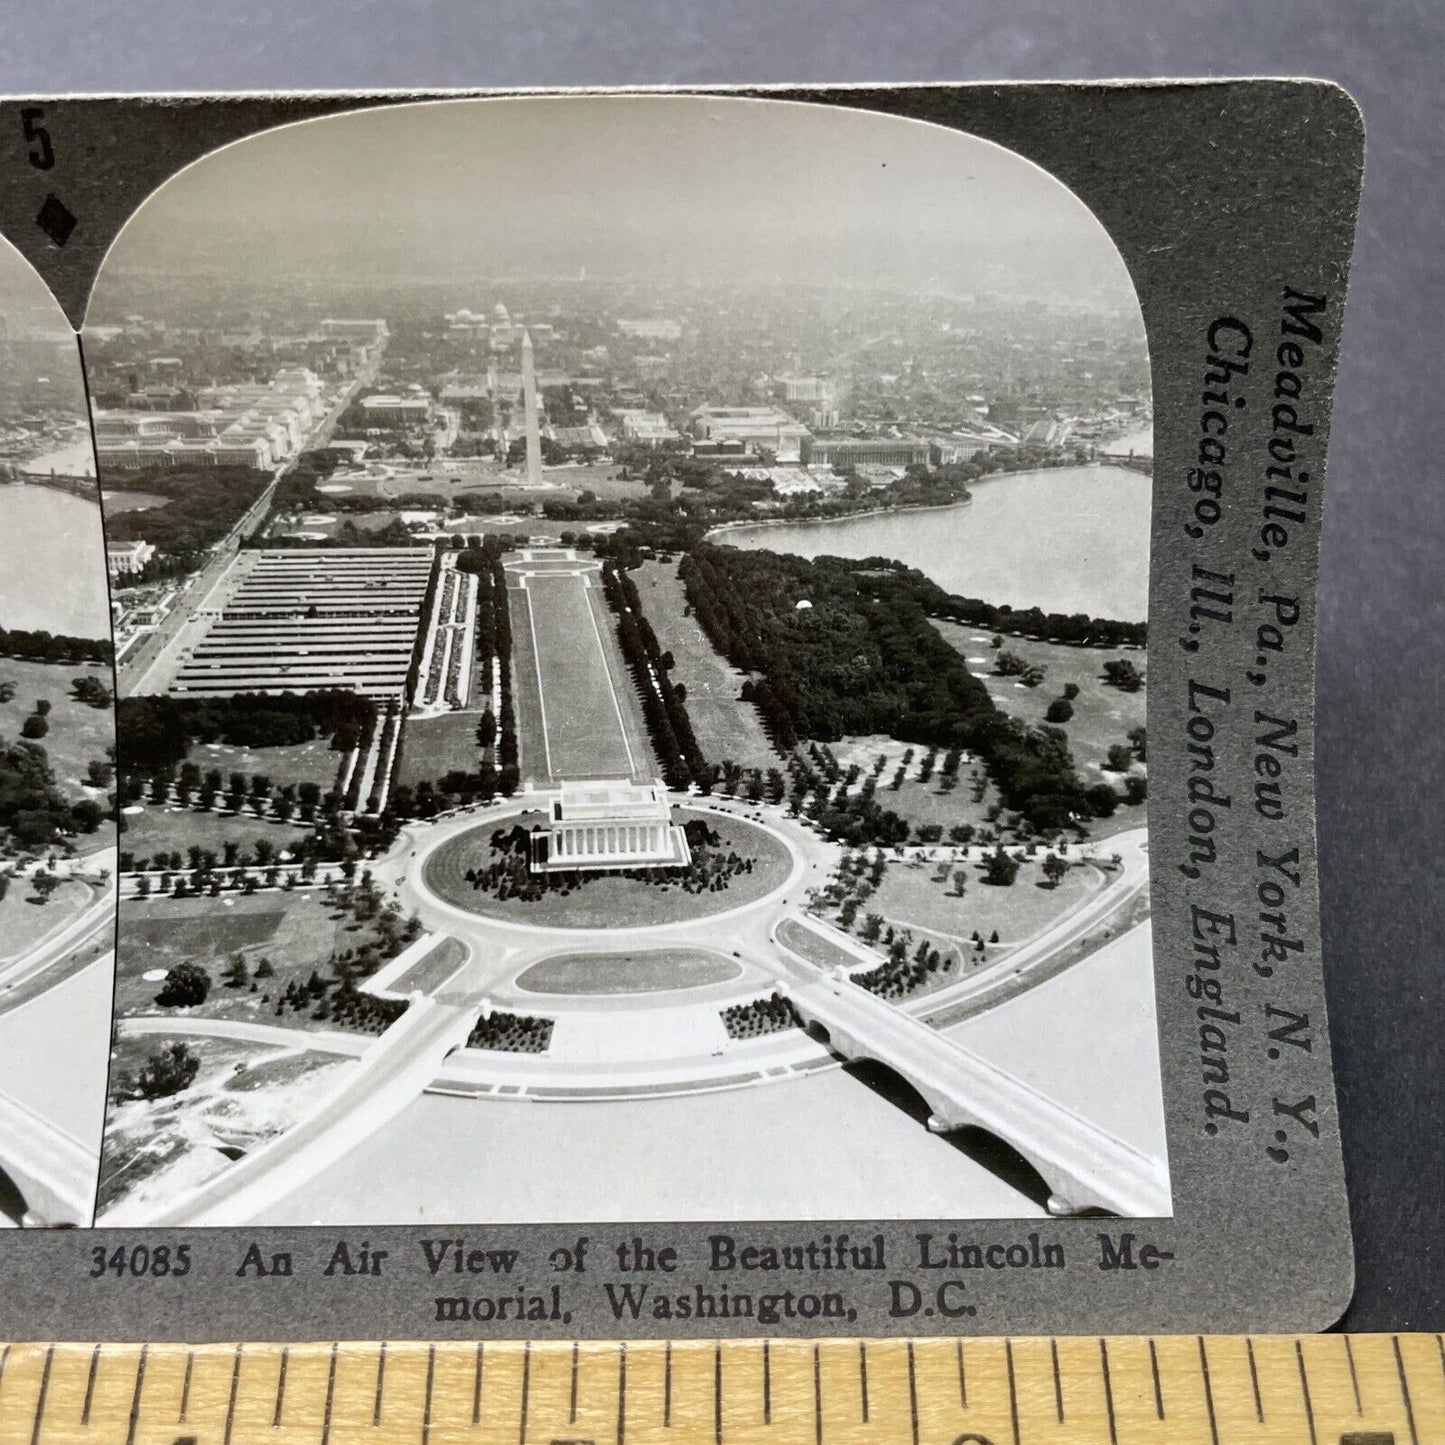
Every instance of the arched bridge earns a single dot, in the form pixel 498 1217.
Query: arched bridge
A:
pixel 1085 1167
pixel 53 1171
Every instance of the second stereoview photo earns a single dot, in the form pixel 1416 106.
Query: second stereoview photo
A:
pixel 631 676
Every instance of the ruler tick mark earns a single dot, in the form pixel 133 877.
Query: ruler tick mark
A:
pixel 817 1397
pixel 186 1387
pixel 717 1413
pixel 1208 1391
pixel 1108 1391
pixel 1013 1394
pixel 572 1398
pixel 90 1386
pixel 44 1390
pixel 667 1385
pixel 1404 1390
pixel 863 1375
pixel 140 1379
pixel 231 1401
pixel 1254 1380
pixel 1158 1385
pixel 280 1390
pixel 912 1394
pixel 330 1398
pixel 1354 1378
pixel 1058 1383
pixel 526 1389
pixel 621 1392
pixel 431 1366
pixel 380 1385
pixel 477 1387
pixel 962 1379
pixel 767 1384
pixel 1304 1385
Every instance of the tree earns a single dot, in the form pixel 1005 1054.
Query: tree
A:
pixel 236 974
pixel 1120 758
pixel 167 1071
pixel 1136 789
pixel 1054 869
pixel 1060 710
pixel 91 691
pixel 1139 741
pixel 34 727
pixel 1071 691
pixel 960 882
pixel 185 985
pixel 1123 675
pixel 99 773
pixel 999 869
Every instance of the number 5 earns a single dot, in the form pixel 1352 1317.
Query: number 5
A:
pixel 43 157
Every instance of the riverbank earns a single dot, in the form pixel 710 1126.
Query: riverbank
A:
pixel 1103 461
pixel 1069 540
pixel 77 484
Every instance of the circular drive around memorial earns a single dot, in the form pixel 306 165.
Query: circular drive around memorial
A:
pixel 608 900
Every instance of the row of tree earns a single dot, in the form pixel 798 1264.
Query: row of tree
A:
pixel 42 646
pixel 663 701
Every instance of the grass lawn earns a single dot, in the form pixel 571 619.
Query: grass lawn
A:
pixel 296 932
pixel 313 762
pixel 25 921
pixel 1102 716
pixel 919 803
pixel 435 746
pixel 726 727
pixel 170 830
pixel 78 733
pixel 622 973
pixel 117 502
pixel 912 897
pixel 580 736
pixel 434 969
pixel 606 900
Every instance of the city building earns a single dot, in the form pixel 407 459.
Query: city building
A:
pixel 125 558
pixel 657 329
pixel 386 410
pixel 755 426
pixel 608 825
pixel 647 428
pixel 852 451
pixel 250 424
pixel 301 619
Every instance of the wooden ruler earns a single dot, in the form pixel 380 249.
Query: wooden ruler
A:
pixel 1165 1390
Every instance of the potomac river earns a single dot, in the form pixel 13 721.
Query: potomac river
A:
pixel 1067 539
pixel 52 562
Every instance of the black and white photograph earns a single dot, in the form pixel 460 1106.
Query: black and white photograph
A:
pixel 57 769
pixel 631 620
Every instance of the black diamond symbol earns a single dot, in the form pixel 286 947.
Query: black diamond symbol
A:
pixel 55 219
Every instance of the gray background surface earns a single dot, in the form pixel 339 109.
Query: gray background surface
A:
pixel 1380 752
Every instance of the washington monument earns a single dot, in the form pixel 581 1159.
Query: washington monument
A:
pixel 529 407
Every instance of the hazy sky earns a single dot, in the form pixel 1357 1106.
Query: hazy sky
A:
pixel 679 188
